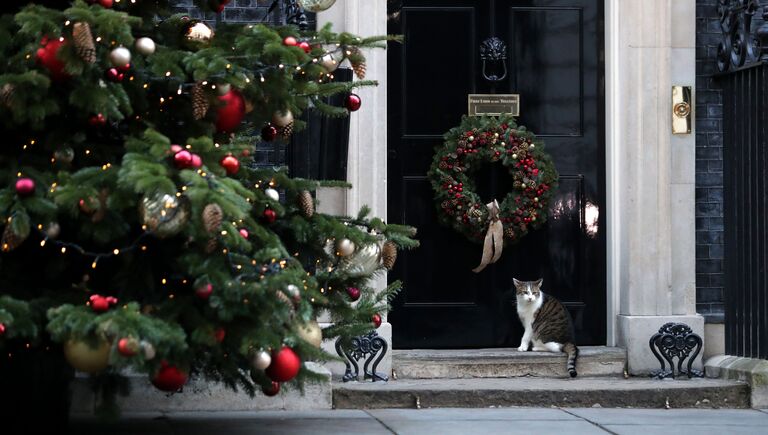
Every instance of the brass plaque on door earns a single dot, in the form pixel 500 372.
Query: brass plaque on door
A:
pixel 493 104
pixel 682 109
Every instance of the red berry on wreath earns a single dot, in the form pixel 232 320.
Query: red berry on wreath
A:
pixel 376 320
pixel 2 329
pixel 219 334
pixel 25 187
pixel 113 75
pixel 101 304
pixel 269 216
pixel 169 378
pixel 285 365
pixel 244 233
pixel 272 390
pixel 97 120
pixel 175 148
pixel 197 162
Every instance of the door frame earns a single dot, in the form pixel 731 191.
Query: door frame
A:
pixel 367 166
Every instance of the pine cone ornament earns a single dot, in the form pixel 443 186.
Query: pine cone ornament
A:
pixel 6 94
pixel 211 245
pixel 11 240
pixel 306 204
pixel 357 60
pixel 83 39
pixel 287 131
pixel 389 254
pixel 212 217
pixel 200 104
pixel 285 299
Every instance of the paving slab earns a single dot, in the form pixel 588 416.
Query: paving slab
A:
pixel 470 414
pixel 683 417
pixel 461 427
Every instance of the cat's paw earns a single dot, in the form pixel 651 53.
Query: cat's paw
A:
pixel 523 348
pixel 539 349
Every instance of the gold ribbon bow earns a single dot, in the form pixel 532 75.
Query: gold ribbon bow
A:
pixel 494 241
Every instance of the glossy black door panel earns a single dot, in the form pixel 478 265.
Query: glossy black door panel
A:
pixel 554 64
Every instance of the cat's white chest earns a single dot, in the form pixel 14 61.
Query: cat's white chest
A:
pixel 527 310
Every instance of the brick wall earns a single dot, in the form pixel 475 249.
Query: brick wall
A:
pixel 709 166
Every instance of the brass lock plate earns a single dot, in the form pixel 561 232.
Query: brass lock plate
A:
pixel 682 109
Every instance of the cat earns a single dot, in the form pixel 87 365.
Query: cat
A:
pixel 547 323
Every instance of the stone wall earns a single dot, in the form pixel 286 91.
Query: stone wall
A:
pixel 709 166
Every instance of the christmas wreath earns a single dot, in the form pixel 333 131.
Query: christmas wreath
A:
pixel 480 140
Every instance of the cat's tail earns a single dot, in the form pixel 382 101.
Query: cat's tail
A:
pixel 573 353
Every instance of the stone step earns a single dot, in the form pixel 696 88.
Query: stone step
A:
pixel 504 363
pixel 542 392
pixel 199 395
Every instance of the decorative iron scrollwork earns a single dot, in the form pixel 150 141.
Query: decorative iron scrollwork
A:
pixel 676 340
pixel 365 346
pixel 738 46
pixel 494 50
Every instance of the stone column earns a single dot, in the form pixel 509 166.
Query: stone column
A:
pixel 367 160
pixel 650 46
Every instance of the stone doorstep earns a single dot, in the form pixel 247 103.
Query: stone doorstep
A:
pixel 199 395
pixel 504 363
pixel 751 370
pixel 542 392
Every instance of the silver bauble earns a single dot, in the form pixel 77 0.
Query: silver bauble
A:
pixel 52 230
pixel 197 35
pixel 345 247
pixel 311 333
pixel 64 155
pixel 120 57
pixel 282 118
pixel 145 46
pixel 164 215
pixel 329 62
pixel 147 349
pixel 316 5
pixel 272 194
pixel 261 360
pixel 364 262
pixel 293 292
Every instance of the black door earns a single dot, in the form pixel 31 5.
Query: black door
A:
pixel 555 64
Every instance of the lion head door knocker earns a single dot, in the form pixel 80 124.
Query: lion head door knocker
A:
pixel 493 53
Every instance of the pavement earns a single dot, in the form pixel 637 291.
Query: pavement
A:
pixel 443 421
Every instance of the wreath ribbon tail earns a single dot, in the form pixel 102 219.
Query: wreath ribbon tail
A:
pixel 494 242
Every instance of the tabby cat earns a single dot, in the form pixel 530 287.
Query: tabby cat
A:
pixel 547 323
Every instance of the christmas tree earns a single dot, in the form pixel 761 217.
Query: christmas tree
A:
pixel 137 233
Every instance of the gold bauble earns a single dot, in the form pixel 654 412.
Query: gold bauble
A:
pixel 197 35
pixel 365 260
pixel 164 215
pixel 80 355
pixel 316 5
pixel 345 247
pixel 282 118
pixel 311 333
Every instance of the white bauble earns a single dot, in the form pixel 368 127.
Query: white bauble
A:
pixel 282 118
pixel 145 46
pixel 261 360
pixel 120 57
pixel 272 194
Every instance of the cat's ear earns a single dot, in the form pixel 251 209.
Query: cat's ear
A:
pixel 517 283
pixel 539 282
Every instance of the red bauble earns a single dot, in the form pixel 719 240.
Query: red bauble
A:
pixel 219 334
pixel 353 102
pixel 272 390
pixel 231 112
pixel 304 45
pixel 244 233
pixel 101 304
pixel 217 5
pixel 354 293
pixel 47 56
pixel 175 148
pixel 204 291
pixel 113 75
pixel 376 320
pixel 285 365
pixel 97 120
pixel 269 133
pixel 269 216
pixel 104 3
pixel 183 159
pixel 197 161
pixel 230 164
pixel 290 41
pixel 127 346
pixel 2 329
pixel 25 186
pixel 169 378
